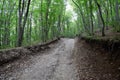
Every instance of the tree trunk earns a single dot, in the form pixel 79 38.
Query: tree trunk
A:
pixel 117 10
pixel 100 11
pixel 22 24
pixel 91 14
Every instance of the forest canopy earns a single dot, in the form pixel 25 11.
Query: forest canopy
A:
pixel 25 22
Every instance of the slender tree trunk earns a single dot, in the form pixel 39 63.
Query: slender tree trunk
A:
pixel 111 11
pixel 83 18
pixel 47 18
pixel 117 10
pixel 91 14
pixel 22 24
pixel 42 22
pixel 100 11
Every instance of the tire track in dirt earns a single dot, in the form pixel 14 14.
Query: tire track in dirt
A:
pixel 53 64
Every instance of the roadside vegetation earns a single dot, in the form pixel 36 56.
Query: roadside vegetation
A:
pixel 27 22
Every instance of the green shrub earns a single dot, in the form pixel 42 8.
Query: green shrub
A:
pixel 116 25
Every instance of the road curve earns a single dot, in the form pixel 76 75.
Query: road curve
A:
pixel 54 64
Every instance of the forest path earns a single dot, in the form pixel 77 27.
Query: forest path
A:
pixel 67 59
pixel 54 64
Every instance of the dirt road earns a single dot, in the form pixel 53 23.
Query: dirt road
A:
pixel 67 59
pixel 54 64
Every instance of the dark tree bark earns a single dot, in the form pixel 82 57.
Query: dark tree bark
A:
pixel 22 22
pixel 100 11
pixel 83 18
pixel 91 14
pixel 46 19
pixel 117 10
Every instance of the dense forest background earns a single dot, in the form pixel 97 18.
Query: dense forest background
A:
pixel 26 22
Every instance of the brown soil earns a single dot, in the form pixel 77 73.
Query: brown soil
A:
pixel 109 34
pixel 54 63
pixel 67 59
pixel 94 63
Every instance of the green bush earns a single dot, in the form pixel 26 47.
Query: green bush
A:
pixel 116 26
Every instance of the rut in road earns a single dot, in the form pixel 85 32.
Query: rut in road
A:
pixel 67 59
pixel 53 64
